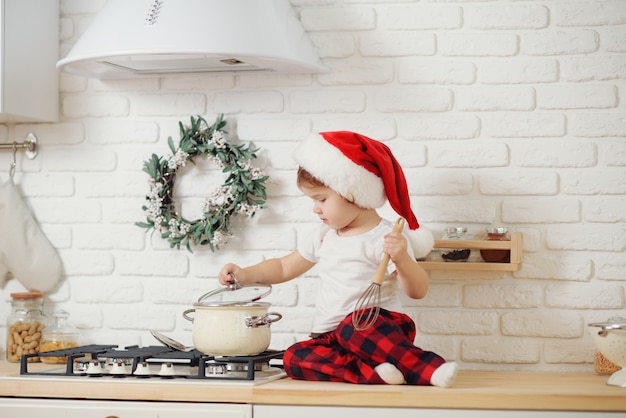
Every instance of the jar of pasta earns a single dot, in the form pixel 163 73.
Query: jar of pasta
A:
pixel 25 325
pixel 58 336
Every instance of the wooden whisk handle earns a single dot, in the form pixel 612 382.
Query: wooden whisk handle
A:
pixel 379 276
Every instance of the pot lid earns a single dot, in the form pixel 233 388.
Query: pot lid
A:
pixel 236 294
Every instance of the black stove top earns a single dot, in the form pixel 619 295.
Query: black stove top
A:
pixel 156 362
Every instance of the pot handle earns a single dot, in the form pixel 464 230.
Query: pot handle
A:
pixel 261 321
pixel 186 314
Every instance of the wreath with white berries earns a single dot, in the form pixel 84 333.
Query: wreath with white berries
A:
pixel 242 193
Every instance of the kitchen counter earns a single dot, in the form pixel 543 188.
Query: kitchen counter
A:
pixel 472 390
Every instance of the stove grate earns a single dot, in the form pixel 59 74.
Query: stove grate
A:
pixel 159 354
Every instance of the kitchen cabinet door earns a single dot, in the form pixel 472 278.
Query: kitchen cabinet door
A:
pixel 29 49
pixel 58 408
pixel 281 411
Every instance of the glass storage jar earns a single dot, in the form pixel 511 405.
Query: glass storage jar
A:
pixel 59 335
pixel 25 325
pixel 496 256
pixel 455 254
pixel 603 365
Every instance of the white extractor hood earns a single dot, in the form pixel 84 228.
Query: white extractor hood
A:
pixel 134 38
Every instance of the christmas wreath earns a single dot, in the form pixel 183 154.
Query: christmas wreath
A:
pixel 242 193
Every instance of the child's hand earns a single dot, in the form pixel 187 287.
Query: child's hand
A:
pixel 395 245
pixel 229 273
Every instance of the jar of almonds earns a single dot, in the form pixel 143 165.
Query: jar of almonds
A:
pixel 25 325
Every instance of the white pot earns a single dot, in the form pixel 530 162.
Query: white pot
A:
pixel 236 329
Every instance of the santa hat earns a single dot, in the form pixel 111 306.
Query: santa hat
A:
pixel 365 172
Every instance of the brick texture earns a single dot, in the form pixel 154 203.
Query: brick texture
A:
pixel 502 113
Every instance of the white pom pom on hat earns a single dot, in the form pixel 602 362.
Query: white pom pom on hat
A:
pixel 365 172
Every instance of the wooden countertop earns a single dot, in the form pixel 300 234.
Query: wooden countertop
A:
pixel 472 390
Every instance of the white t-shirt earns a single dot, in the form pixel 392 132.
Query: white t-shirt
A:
pixel 346 267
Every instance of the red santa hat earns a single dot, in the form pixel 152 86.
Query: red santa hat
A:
pixel 365 172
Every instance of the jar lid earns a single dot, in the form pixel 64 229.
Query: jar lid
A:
pixel 27 295
pixel 616 322
pixel 235 294
pixel 60 328
pixel 456 229
pixel 496 230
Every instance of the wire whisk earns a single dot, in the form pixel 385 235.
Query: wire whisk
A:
pixel 367 307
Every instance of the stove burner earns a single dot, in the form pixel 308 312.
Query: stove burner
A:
pixel 157 361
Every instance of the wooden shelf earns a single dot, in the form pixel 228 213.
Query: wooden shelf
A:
pixel 514 245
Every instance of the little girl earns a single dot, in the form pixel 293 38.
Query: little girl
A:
pixel 348 176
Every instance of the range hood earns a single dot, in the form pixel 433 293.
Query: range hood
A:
pixel 135 38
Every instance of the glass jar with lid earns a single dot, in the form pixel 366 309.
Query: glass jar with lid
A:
pixel 455 254
pixel 59 335
pixel 25 325
pixel 496 256
pixel 615 326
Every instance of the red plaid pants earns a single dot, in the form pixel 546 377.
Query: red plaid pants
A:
pixel 348 355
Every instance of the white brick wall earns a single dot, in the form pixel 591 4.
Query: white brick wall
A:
pixel 507 113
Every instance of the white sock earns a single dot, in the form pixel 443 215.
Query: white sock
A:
pixel 390 374
pixel 445 375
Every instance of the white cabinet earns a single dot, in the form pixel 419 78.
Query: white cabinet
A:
pixel 59 408
pixel 281 411
pixel 29 50
pixel 72 408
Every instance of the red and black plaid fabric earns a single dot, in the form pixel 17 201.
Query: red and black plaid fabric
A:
pixel 348 355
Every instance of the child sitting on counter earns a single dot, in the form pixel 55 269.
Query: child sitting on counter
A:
pixel 347 176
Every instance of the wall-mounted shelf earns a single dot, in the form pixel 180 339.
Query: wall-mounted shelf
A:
pixel 514 245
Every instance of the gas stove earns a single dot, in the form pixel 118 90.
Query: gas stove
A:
pixel 156 362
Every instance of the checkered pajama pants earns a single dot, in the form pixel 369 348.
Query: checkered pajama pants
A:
pixel 348 355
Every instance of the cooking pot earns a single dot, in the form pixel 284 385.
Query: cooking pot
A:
pixel 224 326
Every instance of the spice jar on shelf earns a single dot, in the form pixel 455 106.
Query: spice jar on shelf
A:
pixel 58 336
pixel 455 254
pixel 25 325
pixel 496 256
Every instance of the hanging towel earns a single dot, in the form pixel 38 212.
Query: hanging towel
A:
pixel 25 252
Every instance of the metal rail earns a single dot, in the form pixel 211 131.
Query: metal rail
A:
pixel 29 145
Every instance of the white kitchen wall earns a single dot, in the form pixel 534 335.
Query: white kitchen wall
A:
pixel 502 113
